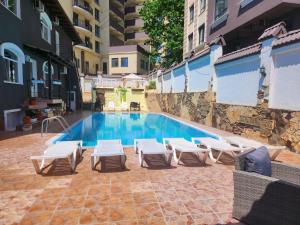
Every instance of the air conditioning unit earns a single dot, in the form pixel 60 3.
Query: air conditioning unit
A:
pixel 39 6
pixel 56 21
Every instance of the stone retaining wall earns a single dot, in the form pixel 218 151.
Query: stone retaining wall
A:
pixel 260 123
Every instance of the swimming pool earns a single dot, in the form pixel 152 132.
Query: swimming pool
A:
pixel 128 126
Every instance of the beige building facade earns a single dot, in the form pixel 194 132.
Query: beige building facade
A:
pixel 195 26
pixel 110 30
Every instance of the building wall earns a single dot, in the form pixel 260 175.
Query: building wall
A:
pixel 27 31
pixel 90 55
pixel 200 18
pixel 260 10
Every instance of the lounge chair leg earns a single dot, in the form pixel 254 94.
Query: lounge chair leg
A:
pixel 123 161
pixel 141 158
pixel 36 166
pixel 180 154
pixel 205 157
pixel 93 162
pixel 175 156
pixel 212 157
pixel 219 156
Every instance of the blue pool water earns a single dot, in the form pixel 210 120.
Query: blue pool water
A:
pixel 128 126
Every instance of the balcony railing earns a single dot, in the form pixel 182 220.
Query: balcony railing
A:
pixel 119 82
pixel 117 26
pixel 116 11
pixel 87 45
pixel 84 25
pixel 83 5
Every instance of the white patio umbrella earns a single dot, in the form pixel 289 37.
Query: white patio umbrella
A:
pixel 132 76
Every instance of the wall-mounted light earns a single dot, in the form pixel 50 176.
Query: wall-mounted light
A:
pixel 262 70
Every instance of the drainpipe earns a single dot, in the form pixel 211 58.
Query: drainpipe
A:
pixel 49 78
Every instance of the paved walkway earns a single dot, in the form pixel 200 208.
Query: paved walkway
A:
pixel 184 194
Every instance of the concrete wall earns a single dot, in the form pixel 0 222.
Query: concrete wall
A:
pixel 167 83
pixel 178 79
pixel 198 74
pixel 238 81
pixel 285 85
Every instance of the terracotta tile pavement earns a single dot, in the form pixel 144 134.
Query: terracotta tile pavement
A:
pixel 176 196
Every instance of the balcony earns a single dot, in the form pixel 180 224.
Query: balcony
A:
pixel 88 46
pixel 116 12
pixel 117 26
pixel 120 3
pixel 84 27
pixel 83 7
pixel 132 12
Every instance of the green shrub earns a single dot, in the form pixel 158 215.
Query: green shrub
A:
pixel 152 85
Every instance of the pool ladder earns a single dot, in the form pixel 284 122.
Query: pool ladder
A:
pixel 63 123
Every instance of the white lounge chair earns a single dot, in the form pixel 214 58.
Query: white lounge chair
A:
pixel 151 147
pixel 247 143
pixel 111 106
pixel 124 106
pixel 218 145
pixel 183 146
pixel 108 148
pixel 59 150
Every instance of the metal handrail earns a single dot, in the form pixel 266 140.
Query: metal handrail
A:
pixel 64 124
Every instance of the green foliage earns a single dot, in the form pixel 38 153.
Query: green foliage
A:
pixel 152 85
pixel 122 92
pixel 163 23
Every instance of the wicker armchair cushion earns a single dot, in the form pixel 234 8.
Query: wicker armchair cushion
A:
pixel 259 161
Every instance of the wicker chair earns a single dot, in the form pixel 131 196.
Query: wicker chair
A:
pixel 263 200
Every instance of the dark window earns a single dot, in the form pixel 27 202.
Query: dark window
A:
pixel 142 64
pixel 146 66
pixel 97 46
pixel 191 39
pixel 97 67
pixel 192 13
pixel 114 62
pixel 97 14
pixel 104 65
pixel 202 5
pixel 11 67
pixel 97 30
pixel 97 2
pixel 221 8
pixel 201 31
pixel 75 18
pixel 124 62
pixel 87 67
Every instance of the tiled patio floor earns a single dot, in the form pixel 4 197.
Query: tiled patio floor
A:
pixel 190 194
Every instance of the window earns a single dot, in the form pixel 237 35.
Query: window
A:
pixel 97 68
pixel 97 14
pixel 63 70
pixel 104 67
pixel 221 8
pixel 46 70
pixel 97 46
pixel 124 62
pixel 97 31
pixel 87 67
pixel 78 62
pixel 97 2
pixel 114 62
pixel 191 39
pixel 13 6
pixel 192 13
pixel 46 27
pixel 147 66
pixel 201 31
pixel 57 43
pixel 142 64
pixel 14 59
pixel 202 5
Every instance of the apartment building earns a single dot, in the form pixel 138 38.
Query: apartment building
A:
pixel 112 35
pixel 36 58
pixel 195 26
pixel 85 15
pixel 242 22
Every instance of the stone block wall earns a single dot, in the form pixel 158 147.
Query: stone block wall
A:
pixel 261 123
